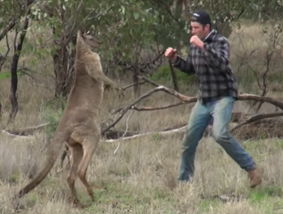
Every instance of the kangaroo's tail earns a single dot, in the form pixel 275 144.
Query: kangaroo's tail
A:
pixel 54 149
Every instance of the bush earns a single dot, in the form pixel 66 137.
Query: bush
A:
pixel 53 113
pixel 185 81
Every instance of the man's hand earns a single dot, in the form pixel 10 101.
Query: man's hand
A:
pixel 171 53
pixel 195 40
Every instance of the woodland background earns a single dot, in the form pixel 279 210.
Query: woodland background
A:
pixel 37 40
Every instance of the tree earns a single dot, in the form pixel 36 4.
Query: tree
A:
pixel 133 34
pixel 18 44
pixel 19 23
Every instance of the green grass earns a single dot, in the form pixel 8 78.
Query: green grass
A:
pixel 123 198
pixel 268 199
pixel 208 204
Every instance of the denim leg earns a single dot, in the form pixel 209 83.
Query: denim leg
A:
pixel 199 119
pixel 222 111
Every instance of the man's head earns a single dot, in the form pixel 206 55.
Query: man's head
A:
pixel 200 24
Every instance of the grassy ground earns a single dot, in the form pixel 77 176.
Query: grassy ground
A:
pixel 141 175
pixel 141 178
pixel 137 176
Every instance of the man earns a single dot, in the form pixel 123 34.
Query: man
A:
pixel 209 59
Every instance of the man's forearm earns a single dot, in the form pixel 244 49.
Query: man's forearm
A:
pixel 183 65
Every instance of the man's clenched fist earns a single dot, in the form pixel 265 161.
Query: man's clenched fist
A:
pixel 171 53
pixel 195 40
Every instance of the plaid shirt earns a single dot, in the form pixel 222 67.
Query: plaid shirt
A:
pixel 211 65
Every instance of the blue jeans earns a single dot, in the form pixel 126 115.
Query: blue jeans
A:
pixel 220 111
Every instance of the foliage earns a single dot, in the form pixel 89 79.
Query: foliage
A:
pixel 52 114
pixel 264 10
pixel 132 33
pixel 11 9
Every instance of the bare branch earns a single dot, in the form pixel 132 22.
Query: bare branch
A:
pixel 131 85
pixel 148 80
pixel 25 131
pixel 256 118
pixel 147 108
pixel 182 128
pixel 145 95
pixel 14 20
pixel 167 132
pixel 183 98
pixel 10 26
pixel 254 97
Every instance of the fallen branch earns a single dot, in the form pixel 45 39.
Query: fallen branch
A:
pixel 172 131
pixel 131 85
pixel 147 108
pixel 242 97
pixel 183 127
pixel 254 97
pixel 183 98
pixel 172 92
pixel 148 81
pixel 25 131
pixel 256 118
pixel 10 135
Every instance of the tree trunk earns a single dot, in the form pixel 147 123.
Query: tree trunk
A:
pixel 14 68
pixel 63 68
pixel 0 111
pixel 60 71
pixel 137 90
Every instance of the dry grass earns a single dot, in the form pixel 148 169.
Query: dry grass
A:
pixel 250 44
pixel 141 177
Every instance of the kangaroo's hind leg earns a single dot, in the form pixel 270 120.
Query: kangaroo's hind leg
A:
pixel 76 157
pixel 89 145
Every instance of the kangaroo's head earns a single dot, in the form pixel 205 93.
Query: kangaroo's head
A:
pixel 89 39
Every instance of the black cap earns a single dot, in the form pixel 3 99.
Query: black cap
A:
pixel 201 17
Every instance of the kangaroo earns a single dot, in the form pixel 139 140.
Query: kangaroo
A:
pixel 79 126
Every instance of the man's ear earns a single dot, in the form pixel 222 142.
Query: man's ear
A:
pixel 207 27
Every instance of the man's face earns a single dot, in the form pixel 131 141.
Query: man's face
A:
pixel 199 30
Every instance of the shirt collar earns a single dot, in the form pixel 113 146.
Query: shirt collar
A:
pixel 209 37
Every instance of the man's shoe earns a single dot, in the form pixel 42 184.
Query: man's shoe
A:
pixel 255 177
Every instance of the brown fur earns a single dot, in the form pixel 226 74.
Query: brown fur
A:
pixel 79 126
